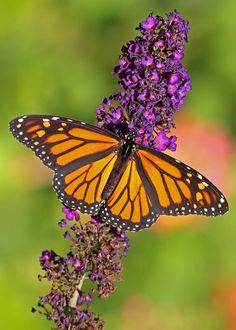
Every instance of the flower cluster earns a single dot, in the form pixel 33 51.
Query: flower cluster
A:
pixel 96 254
pixel 153 83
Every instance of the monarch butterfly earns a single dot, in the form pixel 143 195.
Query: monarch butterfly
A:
pixel 127 185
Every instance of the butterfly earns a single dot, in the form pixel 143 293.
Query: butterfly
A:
pixel 125 184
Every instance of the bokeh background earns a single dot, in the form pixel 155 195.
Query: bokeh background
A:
pixel 56 57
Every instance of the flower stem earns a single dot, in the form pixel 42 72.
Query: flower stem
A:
pixel 75 296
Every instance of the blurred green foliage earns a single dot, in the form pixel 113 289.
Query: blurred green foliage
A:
pixel 56 57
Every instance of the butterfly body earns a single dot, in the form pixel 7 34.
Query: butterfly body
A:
pixel 125 153
pixel 128 145
pixel 123 183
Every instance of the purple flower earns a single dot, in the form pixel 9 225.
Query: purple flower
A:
pixel 172 143
pixel 70 214
pixel 143 96
pixel 80 300
pixel 174 78
pixel 83 316
pixel 154 76
pixel 118 116
pixel 131 80
pixel 181 93
pixel 171 89
pixel 160 66
pixel 175 100
pixel 46 259
pixel 148 62
pixel 177 56
pixel 88 298
pixel 46 256
pixel 123 63
pixel 149 115
pixel 161 141
pixel 150 23
pixel 93 276
pixel 153 96
pixel 63 223
pixel 159 44
pixel 78 264
pixel 104 280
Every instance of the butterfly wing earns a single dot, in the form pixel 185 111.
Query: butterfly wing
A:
pixel 81 155
pixel 177 188
pixel 129 206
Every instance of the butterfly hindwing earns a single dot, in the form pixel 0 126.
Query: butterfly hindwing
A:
pixel 129 206
pixel 82 188
pixel 179 189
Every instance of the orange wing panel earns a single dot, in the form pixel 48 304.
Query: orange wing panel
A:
pixel 157 181
pixel 73 175
pixel 161 163
pixel 33 128
pixel 87 135
pixel 126 213
pixel 84 150
pixel 64 146
pixel 80 192
pixel 56 138
pixel 174 192
pixel 185 189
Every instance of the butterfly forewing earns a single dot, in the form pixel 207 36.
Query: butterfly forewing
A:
pixel 81 155
pixel 59 141
pixel 177 188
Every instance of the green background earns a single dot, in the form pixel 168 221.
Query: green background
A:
pixel 56 57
